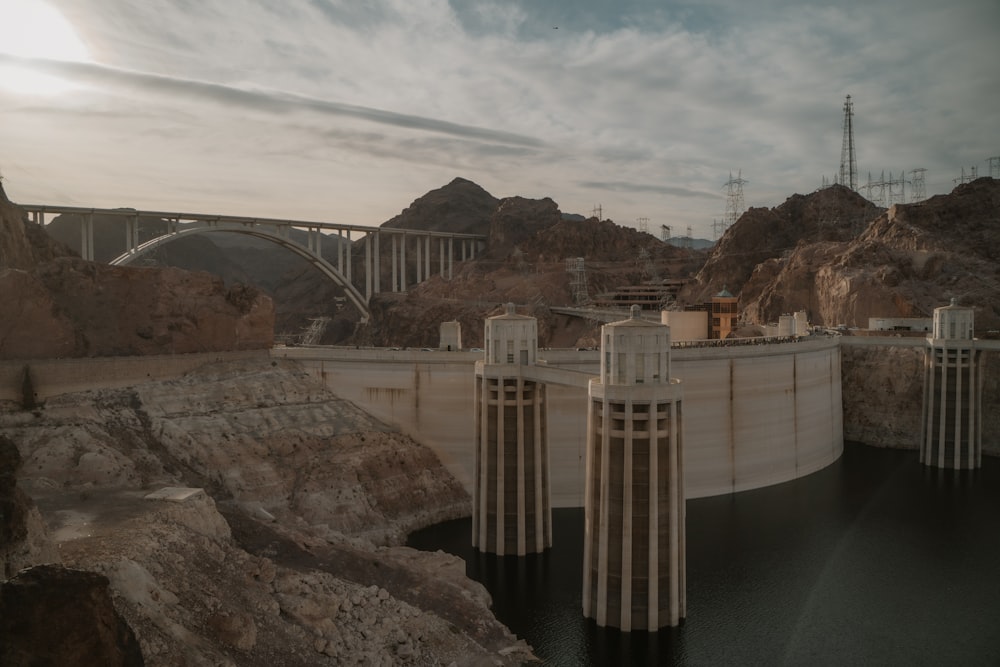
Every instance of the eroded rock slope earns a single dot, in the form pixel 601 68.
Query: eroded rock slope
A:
pixel 289 553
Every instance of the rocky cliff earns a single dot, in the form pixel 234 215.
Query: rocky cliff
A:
pixel 882 393
pixel 762 235
pixel 259 543
pixel 58 305
pixel 525 263
pixel 916 257
pixel 461 206
pixel 844 261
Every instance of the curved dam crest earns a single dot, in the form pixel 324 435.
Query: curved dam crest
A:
pixel 754 415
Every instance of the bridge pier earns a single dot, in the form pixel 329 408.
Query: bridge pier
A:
pixel 392 263
pixel 427 257
pixel 349 259
pixel 418 264
pixel 368 260
pixel 87 237
pixel 402 265
pixel 132 234
pixel 511 498
pixel 377 264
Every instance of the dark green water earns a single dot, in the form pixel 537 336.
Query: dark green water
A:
pixel 875 560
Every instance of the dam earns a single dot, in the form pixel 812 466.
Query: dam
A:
pixel 754 415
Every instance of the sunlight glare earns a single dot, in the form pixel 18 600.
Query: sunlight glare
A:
pixel 35 29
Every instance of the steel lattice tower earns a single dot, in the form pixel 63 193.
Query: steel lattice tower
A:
pixel 918 191
pixel 994 163
pixel 848 159
pixel 734 199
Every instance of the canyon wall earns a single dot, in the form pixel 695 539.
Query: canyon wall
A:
pixel 55 304
pixel 883 394
pixel 244 515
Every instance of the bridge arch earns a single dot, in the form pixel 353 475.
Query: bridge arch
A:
pixel 313 258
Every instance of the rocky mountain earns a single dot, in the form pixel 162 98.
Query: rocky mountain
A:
pixel 762 235
pixel 461 206
pixel 525 263
pixel 241 515
pixel 58 305
pixel 916 257
pixel 844 261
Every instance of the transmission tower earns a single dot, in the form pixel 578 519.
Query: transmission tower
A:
pixel 897 189
pixel 643 225
pixel 578 279
pixel 848 159
pixel 734 199
pixel 918 187
pixel 665 233
pixel 597 212
pixel 718 229
pixel 994 167
pixel 965 179
pixel 875 190
pixel 689 240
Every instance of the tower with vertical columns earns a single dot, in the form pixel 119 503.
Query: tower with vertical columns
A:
pixel 953 380
pixel 634 537
pixel 511 510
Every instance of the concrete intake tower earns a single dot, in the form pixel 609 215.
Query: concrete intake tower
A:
pixel 952 436
pixel 634 537
pixel 511 507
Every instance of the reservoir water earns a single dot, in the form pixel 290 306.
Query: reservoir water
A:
pixel 875 560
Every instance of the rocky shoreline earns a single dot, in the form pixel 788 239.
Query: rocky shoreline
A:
pixel 277 540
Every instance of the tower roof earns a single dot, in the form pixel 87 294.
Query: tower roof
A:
pixel 510 314
pixel 636 321
pixel 953 306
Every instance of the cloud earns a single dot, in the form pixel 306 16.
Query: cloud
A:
pixel 649 104
pixel 259 100
pixel 629 186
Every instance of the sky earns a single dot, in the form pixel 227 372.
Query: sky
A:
pixel 346 111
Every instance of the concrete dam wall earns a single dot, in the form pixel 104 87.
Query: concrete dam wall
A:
pixel 753 415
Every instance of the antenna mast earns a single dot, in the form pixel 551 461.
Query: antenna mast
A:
pixel 848 159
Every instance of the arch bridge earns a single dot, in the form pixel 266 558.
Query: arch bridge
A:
pixel 279 232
